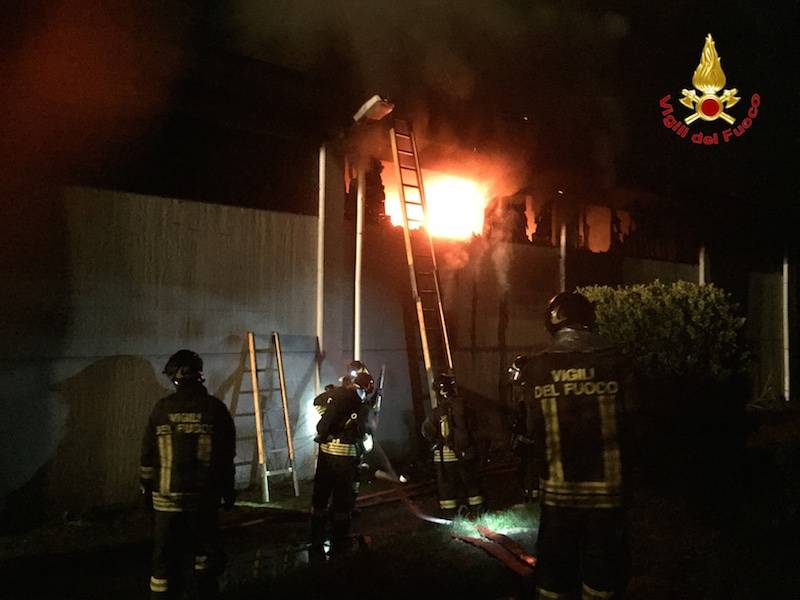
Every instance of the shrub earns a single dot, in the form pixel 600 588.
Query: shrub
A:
pixel 680 330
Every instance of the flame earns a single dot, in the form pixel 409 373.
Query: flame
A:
pixel 455 204
pixel 709 77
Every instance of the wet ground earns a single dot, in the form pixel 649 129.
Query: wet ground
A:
pixel 728 545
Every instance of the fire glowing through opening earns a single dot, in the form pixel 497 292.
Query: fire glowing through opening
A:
pixel 455 204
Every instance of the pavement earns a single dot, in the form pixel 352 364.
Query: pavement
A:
pixel 107 555
pixel 721 544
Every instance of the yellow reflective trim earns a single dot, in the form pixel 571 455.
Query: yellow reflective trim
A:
pixel 158 585
pixel 176 502
pixel 582 501
pixel 543 593
pixel 337 448
pixel 608 422
pixel 580 487
pixel 200 563
pixel 444 426
pixel 447 504
pixel 204 447
pixel 553 438
pixel 146 472
pixel 475 500
pixel 588 593
pixel 320 409
pixel 446 454
pixel 165 456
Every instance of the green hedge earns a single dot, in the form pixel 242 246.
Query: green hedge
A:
pixel 683 329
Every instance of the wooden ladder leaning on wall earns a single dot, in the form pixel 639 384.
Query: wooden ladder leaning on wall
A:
pixel 260 362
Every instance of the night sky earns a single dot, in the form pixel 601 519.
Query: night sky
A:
pixel 145 97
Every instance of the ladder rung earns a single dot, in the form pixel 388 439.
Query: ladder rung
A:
pixel 250 414
pixel 279 472
pixel 242 463
pixel 405 135
pixel 406 152
pixel 246 438
pixel 410 185
pixel 276 450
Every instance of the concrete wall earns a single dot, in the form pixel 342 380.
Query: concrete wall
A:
pixel 765 332
pixel 101 287
pixel 642 270
pixel 130 280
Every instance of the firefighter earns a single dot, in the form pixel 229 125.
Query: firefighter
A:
pixel 449 429
pixel 521 443
pixel 578 385
pixel 355 367
pixel 187 472
pixel 341 433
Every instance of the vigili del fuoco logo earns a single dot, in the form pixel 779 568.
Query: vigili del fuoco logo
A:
pixel 707 105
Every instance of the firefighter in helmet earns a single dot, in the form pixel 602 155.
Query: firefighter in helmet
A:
pixel 521 443
pixel 579 385
pixel 341 433
pixel 187 473
pixel 449 429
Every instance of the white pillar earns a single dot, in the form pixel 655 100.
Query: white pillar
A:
pixel 562 262
pixel 702 267
pixel 320 318
pixel 786 350
pixel 359 248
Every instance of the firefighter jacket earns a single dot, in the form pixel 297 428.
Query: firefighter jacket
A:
pixel 576 389
pixel 188 450
pixel 449 428
pixel 342 428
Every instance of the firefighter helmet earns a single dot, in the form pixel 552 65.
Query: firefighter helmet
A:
pixel 515 370
pixel 569 309
pixel 445 385
pixel 363 381
pixel 184 366
pixel 363 384
pixel 355 367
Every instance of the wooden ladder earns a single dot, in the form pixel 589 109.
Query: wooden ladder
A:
pixel 261 361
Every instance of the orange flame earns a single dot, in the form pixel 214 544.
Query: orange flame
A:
pixel 455 204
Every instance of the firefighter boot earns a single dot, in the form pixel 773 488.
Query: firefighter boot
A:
pixel 341 543
pixel 316 551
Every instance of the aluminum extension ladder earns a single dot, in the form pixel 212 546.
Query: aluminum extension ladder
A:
pixel 420 254
pixel 262 361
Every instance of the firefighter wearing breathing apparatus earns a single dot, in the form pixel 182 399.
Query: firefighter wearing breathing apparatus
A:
pixel 521 443
pixel 341 434
pixel 187 472
pixel 576 388
pixel 449 429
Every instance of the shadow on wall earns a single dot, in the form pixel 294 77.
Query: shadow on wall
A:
pixel 97 461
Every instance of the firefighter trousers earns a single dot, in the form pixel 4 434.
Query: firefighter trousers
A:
pixel 333 484
pixel 581 551
pixel 457 482
pixel 528 472
pixel 178 536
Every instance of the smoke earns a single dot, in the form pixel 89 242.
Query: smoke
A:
pixel 456 67
pixel 500 256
